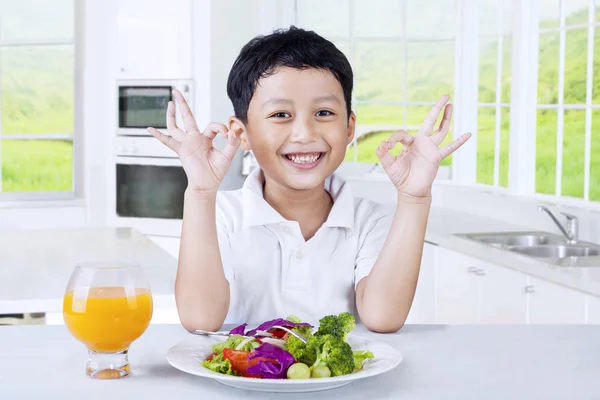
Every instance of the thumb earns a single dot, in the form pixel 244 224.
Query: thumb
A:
pixel 233 144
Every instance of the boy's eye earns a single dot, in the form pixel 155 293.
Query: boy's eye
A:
pixel 324 113
pixel 281 115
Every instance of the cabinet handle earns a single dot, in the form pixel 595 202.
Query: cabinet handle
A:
pixel 529 289
pixel 473 270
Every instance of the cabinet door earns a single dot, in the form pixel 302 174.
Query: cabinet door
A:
pixel 457 292
pixel 154 39
pixel 593 309
pixel 422 310
pixel 503 296
pixel 550 303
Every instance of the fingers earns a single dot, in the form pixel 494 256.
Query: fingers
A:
pixel 233 143
pixel 213 129
pixel 427 125
pixel 171 124
pixel 168 141
pixel 400 137
pixel 189 122
pixel 384 156
pixel 455 145
pixel 439 135
pixel 384 148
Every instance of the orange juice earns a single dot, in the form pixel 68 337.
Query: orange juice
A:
pixel 107 319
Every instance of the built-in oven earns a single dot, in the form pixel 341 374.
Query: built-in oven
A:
pixel 143 103
pixel 149 186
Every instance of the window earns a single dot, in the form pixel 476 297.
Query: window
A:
pixel 568 100
pixel 495 40
pixel 37 74
pixel 402 62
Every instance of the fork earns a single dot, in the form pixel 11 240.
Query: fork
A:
pixel 227 334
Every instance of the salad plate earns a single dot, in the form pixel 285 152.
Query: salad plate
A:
pixel 191 354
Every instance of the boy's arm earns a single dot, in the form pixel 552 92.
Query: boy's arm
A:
pixel 201 288
pixel 384 297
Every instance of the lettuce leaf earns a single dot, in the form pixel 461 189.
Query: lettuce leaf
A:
pixel 359 357
pixel 220 365
pixel 231 343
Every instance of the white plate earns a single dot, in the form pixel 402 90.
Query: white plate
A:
pixel 188 355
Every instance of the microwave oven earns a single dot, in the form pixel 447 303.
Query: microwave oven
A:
pixel 143 103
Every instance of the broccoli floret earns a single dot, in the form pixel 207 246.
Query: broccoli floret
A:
pixel 298 349
pixel 359 357
pixel 331 351
pixel 337 325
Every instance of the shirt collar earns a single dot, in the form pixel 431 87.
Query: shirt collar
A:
pixel 257 212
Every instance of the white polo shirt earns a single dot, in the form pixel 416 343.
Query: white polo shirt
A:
pixel 273 272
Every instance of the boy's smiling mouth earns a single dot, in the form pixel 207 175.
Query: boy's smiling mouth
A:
pixel 304 160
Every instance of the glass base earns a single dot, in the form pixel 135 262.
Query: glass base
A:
pixel 107 365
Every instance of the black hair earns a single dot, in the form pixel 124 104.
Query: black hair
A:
pixel 294 48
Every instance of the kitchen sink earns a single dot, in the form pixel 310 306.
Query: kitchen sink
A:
pixel 517 239
pixel 556 251
pixel 551 248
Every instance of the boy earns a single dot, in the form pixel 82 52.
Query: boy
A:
pixel 293 240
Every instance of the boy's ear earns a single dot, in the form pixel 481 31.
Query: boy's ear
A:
pixel 239 128
pixel 351 126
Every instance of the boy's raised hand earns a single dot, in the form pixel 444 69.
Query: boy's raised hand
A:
pixel 204 165
pixel 415 168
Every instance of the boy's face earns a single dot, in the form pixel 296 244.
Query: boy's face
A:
pixel 298 126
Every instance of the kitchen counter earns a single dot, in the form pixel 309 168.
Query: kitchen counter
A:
pixel 444 225
pixel 463 362
pixel 35 265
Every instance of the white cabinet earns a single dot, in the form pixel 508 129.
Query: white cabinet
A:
pixel 422 310
pixel 154 39
pixel 457 289
pixel 169 244
pixel 472 291
pixel 550 303
pixel 503 296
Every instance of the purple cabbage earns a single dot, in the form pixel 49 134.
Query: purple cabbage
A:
pixel 269 370
pixel 265 326
pixel 238 330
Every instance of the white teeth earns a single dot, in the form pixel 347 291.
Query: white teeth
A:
pixel 304 159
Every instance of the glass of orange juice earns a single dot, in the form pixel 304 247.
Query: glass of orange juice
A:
pixel 106 307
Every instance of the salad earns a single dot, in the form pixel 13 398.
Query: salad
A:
pixel 279 355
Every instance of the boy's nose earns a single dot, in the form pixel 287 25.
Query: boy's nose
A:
pixel 303 132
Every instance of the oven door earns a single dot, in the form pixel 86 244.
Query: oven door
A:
pixel 144 103
pixel 149 194
pixel 141 107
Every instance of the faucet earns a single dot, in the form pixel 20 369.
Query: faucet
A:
pixel 572 227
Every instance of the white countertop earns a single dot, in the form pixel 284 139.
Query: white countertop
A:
pixel 35 265
pixel 462 362
pixel 444 225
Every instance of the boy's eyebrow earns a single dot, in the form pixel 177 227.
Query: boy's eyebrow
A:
pixel 281 100
pixel 328 97
pixel 277 100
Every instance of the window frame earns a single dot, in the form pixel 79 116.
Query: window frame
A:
pixel 405 40
pixel 75 138
pixel 523 100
